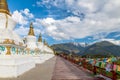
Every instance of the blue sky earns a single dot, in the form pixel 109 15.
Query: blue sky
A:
pixel 62 21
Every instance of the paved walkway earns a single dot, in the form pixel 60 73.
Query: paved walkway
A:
pixel 64 70
pixel 55 68
pixel 42 71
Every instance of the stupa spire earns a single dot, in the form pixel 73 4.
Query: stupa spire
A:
pixel 4 7
pixel 31 31
pixel 44 42
pixel 40 38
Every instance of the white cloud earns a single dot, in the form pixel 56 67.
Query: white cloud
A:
pixel 37 22
pixel 22 17
pixel 27 13
pixel 22 30
pixel 73 28
pixel 74 6
pixel 84 6
pixel 19 18
pixel 112 8
pixel 116 42
pixel 101 18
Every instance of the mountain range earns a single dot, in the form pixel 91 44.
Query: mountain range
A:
pixel 98 49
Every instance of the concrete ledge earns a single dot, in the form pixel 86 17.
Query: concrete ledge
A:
pixel 13 66
pixel 42 58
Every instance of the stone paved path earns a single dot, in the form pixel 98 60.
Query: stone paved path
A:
pixel 64 70
pixel 55 68
pixel 42 71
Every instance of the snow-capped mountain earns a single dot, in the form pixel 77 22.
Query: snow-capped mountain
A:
pixel 116 42
pixel 79 44
pixel 100 48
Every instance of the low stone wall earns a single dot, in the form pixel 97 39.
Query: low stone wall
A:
pixel 13 66
pixel 41 58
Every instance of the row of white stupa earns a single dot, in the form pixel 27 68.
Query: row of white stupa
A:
pixel 34 47
pixel 17 46
pixel 30 45
pixel 18 56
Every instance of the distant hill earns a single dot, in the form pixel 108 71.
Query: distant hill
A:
pixel 99 49
pixel 69 47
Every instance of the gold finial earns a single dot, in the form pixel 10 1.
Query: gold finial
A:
pixel 40 38
pixel 31 31
pixel 4 7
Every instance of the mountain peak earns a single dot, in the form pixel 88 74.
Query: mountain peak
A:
pixel 79 44
pixel 98 49
pixel 116 42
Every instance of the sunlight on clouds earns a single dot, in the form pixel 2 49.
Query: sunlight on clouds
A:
pixel 27 13
pixel 19 18
pixel 22 17
pixel 112 8
pixel 101 18
pixel 72 27
pixel 22 30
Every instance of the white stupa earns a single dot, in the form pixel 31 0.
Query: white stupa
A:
pixel 40 43
pixel 31 42
pixel 10 42
pixel 36 48
pixel 45 53
pixel 12 60
pixel 46 48
pixel 17 57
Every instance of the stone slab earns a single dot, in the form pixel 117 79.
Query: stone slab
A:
pixel 13 66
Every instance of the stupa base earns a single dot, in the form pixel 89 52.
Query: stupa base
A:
pixel 41 58
pixel 13 66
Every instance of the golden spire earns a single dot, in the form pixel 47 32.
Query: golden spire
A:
pixel 40 38
pixel 44 42
pixel 31 31
pixel 4 7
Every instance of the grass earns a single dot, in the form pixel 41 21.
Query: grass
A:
pixel 118 76
pixel 118 62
